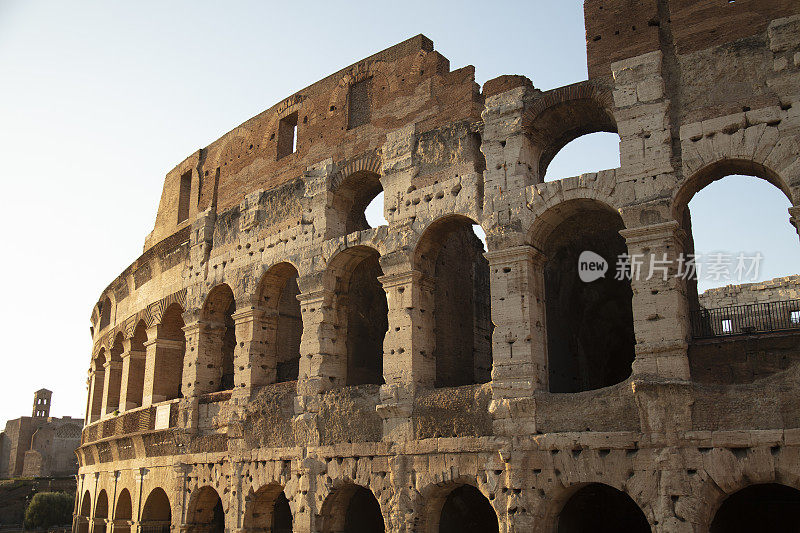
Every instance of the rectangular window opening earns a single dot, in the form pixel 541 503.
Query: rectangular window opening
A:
pixel 727 326
pixel 287 135
pixel 794 317
pixel 184 196
pixel 358 104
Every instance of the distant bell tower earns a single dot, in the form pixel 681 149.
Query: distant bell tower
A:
pixel 41 403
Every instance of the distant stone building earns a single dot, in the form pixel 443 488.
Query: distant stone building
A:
pixel 40 445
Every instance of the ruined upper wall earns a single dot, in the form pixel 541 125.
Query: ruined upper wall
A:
pixel 408 83
pixel 772 290
pixel 619 29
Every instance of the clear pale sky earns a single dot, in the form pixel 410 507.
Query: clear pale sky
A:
pixel 98 100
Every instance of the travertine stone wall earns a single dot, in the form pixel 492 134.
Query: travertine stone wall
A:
pixel 409 407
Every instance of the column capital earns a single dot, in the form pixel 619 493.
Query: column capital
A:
pixel 661 231
pixel 390 281
pixel 164 343
pixel 113 365
pixel 317 295
pixel 133 354
pixel 252 313
pixel 514 254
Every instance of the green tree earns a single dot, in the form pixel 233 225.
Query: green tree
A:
pixel 49 509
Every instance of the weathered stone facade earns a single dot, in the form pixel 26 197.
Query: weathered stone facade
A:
pixel 270 362
pixel 40 445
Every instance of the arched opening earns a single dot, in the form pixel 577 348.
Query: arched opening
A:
pixel 105 313
pixel 362 312
pixel 766 507
pixel 114 375
pixel 221 336
pixel 97 384
pixel 283 323
pixel 85 513
pixel 374 212
pixel 601 509
pixel 268 510
pixel 170 351
pixel 157 512
pixel 356 192
pixel 750 241
pixel 589 153
pixel 590 337
pixel 134 391
pixel 352 509
pixel 206 514
pixel 466 510
pixel 450 255
pixel 123 512
pixel 565 115
pixel 100 513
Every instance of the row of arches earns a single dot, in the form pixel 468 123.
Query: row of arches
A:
pixel 156 515
pixel 458 508
pixel 118 374
pixel 589 326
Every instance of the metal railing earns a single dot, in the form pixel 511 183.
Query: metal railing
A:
pixel 746 319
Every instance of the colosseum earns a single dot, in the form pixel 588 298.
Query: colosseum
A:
pixel 270 363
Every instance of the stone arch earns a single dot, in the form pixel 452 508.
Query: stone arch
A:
pixel 105 313
pixel 562 115
pixel 123 512
pixel 589 325
pixel 353 274
pixel 267 510
pixel 85 513
pixel 457 506
pixel 133 395
pixel 679 209
pixel 598 507
pixel 355 186
pixel 763 506
pixel 450 257
pixel 97 384
pixel 718 170
pixel 219 331
pixel 351 507
pixel 157 512
pixel 100 515
pixel 206 513
pixel 282 321
pixel 113 369
pixel 168 346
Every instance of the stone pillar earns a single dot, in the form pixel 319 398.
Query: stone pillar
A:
pixel 323 360
pixel 408 360
pixel 519 340
pixel 163 367
pixel 511 155
pixel 132 381
pixel 660 303
pixel 255 334
pixel 111 387
pixel 96 383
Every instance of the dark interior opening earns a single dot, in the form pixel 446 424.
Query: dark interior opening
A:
pixel 363 513
pixel 367 323
pixel 767 507
pixel 466 510
pixel 598 508
pixel 590 337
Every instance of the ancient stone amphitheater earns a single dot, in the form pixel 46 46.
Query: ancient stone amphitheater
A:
pixel 272 363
